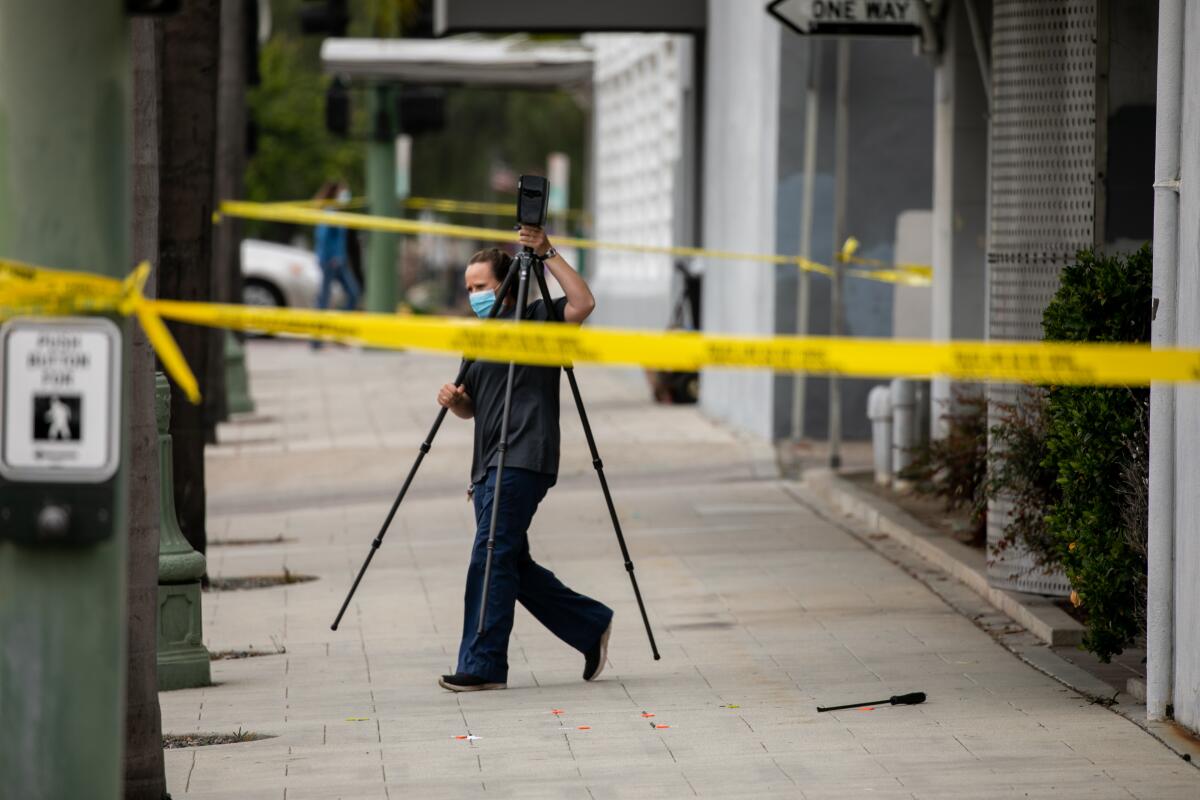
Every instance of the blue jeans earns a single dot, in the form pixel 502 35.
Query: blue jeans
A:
pixel 577 620
pixel 337 269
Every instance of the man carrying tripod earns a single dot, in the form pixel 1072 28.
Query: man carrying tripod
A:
pixel 530 469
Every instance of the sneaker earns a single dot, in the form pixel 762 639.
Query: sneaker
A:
pixel 462 682
pixel 594 659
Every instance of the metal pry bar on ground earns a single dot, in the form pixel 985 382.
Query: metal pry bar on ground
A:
pixel 910 699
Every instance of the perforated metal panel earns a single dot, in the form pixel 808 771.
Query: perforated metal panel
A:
pixel 639 83
pixel 1044 156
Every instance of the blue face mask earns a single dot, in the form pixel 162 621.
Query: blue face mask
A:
pixel 482 302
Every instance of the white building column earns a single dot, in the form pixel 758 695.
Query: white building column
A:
pixel 959 197
pixel 1178 555
pixel 739 176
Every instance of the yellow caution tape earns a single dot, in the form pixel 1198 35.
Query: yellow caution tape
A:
pixel 911 274
pixel 21 286
pixel 437 204
pixel 26 289
pixel 318 212
pixel 308 215
pixel 482 209
pixel 533 343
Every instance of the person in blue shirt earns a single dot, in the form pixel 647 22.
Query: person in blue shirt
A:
pixel 332 252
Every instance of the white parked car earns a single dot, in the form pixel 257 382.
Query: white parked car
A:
pixel 282 276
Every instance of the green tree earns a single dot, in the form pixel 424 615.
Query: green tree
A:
pixel 295 154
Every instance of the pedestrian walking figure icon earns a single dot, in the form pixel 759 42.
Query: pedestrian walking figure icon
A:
pixel 59 417
pixel 56 418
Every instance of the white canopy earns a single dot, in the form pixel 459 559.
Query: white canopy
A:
pixel 513 61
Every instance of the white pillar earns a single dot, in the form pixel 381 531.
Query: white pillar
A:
pixel 959 198
pixel 1160 628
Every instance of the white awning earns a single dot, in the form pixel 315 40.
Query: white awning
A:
pixel 513 61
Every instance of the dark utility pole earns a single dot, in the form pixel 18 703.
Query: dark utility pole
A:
pixel 188 134
pixel 144 769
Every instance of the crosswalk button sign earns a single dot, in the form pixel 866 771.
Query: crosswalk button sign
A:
pixel 60 384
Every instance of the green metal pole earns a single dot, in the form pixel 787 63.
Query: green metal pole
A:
pixel 64 163
pixel 381 196
pixel 183 661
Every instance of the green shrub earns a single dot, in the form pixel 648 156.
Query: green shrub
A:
pixel 954 467
pixel 1088 436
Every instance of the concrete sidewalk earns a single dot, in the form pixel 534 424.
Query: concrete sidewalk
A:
pixel 762 610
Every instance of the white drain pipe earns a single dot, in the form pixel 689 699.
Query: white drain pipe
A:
pixel 879 411
pixel 1160 601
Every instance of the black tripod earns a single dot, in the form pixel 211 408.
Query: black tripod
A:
pixel 412 472
pixel 526 262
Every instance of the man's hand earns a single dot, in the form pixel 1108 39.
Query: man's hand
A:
pixel 451 395
pixel 535 238
pixel 457 400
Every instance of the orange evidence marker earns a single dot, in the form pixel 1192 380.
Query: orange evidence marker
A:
pixel 660 727
pixel 556 711
pixel 646 715
pixel 584 727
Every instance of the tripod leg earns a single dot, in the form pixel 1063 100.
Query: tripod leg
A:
pixel 425 447
pixel 599 467
pixel 502 449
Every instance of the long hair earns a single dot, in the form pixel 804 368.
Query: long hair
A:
pixel 328 191
pixel 500 262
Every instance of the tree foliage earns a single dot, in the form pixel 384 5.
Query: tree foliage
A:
pixel 295 154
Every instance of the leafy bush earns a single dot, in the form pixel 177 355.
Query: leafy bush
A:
pixel 1070 462
pixel 1088 436
pixel 1018 475
pixel 1135 504
pixel 954 467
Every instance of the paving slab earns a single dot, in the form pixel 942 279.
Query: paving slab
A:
pixel 763 607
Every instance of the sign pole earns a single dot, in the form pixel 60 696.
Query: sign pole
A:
pixel 812 112
pixel 380 292
pixel 840 157
pixel 64 202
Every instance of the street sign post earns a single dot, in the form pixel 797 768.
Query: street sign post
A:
pixel 849 17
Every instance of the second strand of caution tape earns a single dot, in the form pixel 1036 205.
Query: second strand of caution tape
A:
pixel 299 214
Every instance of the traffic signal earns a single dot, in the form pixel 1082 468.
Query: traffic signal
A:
pixel 329 17
pixel 151 7
pixel 418 23
pixel 422 109
pixel 250 23
pixel 337 107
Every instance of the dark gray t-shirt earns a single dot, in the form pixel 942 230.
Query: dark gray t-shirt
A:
pixel 533 437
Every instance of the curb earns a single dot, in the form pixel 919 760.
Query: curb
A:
pixel 1036 614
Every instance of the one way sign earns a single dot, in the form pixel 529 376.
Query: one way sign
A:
pixel 849 17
